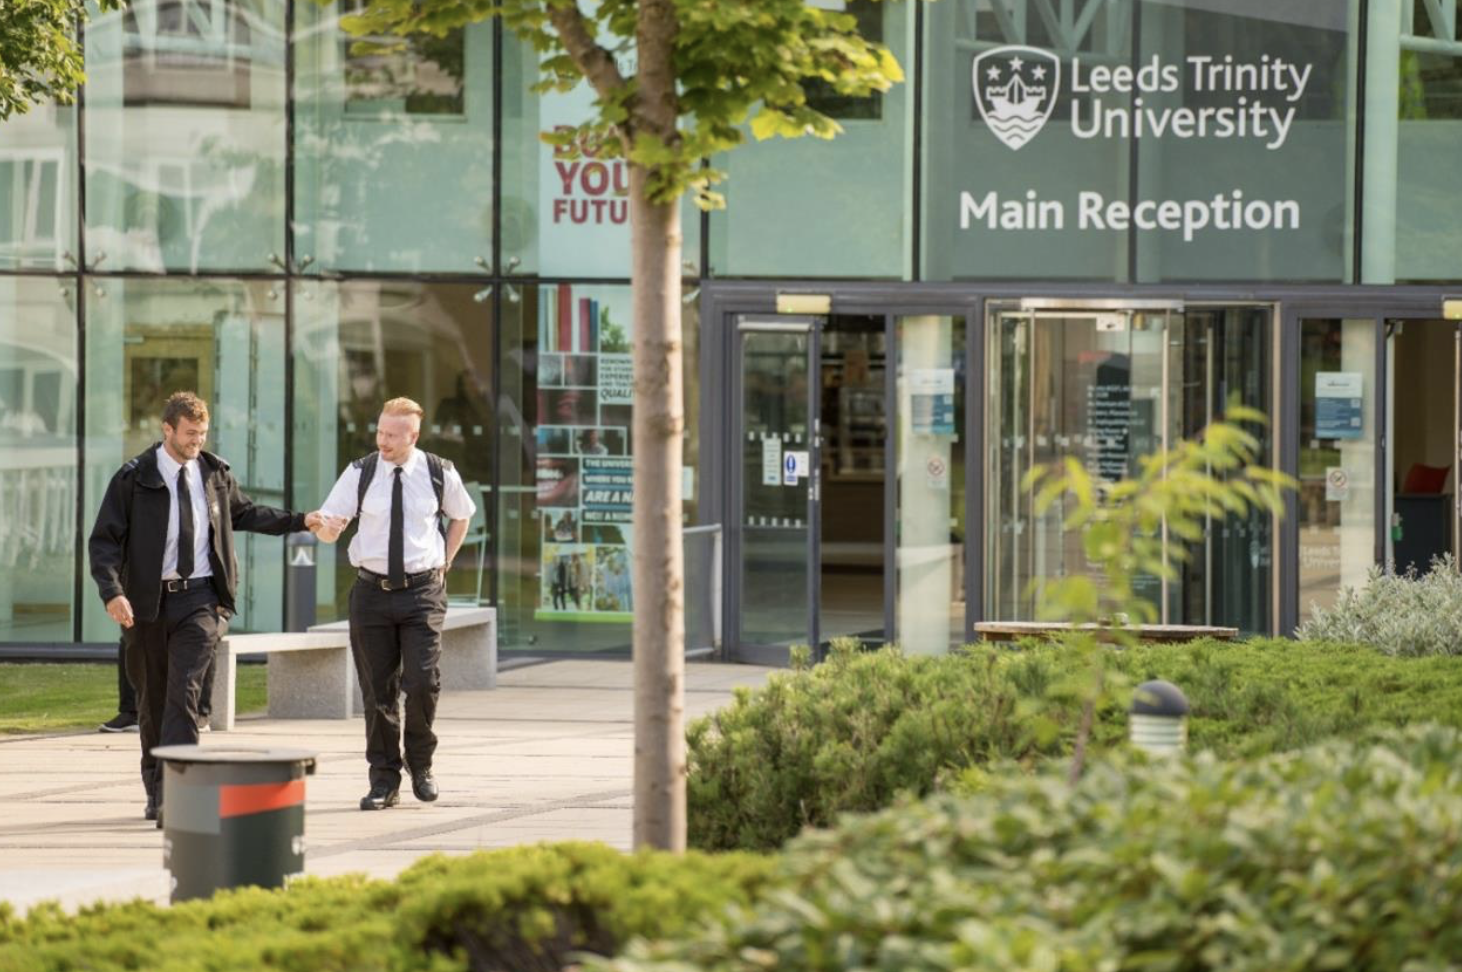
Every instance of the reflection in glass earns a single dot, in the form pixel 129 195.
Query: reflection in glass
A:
pixel 393 151
pixel 565 209
pixel 1107 388
pixel 185 130
pixel 565 456
pixel 360 343
pixel 1413 120
pixel 1337 497
pixel 37 459
pixel 38 189
pixel 828 209
pixel 223 339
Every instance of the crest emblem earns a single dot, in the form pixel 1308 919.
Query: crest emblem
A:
pixel 1015 89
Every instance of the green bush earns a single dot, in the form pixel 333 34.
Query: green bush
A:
pixel 853 733
pixel 1399 614
pixel 845 735
pixel 1343 856
pixel 526 908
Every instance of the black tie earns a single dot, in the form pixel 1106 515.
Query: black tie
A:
pixel 185 526
pixel 396 552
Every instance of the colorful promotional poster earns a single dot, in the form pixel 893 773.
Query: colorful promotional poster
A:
pixel 585 469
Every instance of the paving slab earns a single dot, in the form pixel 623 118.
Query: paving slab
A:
pixel 548 755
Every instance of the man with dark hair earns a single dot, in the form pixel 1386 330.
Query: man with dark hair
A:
pixel 162 556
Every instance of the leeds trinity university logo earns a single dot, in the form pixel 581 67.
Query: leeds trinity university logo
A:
pixel 1015 89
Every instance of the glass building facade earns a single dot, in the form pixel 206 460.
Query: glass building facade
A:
pixel 1079 229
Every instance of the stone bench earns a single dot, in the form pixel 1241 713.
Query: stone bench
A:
pixel 312 676
pixel 1161 633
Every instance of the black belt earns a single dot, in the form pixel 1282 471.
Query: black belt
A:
pixel 384 582
pixel 191 584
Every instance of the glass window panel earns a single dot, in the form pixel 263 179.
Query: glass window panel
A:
pixel 393 152
pixel 185 131
pixel 852 417
pixel 1413 123
pixel 358 344
pixel 38 377
pixel 564 455
pixel 565 210
pixel 1337 496
pixel 223 339
pixel 775 519
pixel 1106 388
pixel 1156 140
pixel 931 483
pixel 38 188
pixel 1297 157
pixel 808 207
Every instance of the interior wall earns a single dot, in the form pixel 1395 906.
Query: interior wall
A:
pixel 1424 396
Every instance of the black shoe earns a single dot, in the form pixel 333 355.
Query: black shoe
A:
pixel 380 797
pixel 153 811
pixel 424 786
pixel 121 722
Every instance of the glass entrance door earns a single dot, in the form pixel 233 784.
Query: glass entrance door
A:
pixel 776 486
pixel 1424 442
pixel 1107 386
pixel 848 490
pixel 1340 473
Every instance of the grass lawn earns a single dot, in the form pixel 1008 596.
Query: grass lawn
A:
pixel 45 697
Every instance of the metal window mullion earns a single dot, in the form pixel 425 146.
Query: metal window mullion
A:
pixel 78 582
pixel 891 445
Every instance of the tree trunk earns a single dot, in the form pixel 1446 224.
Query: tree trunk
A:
pixel 659 601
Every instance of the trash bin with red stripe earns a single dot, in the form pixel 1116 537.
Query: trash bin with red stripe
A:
pixel 232 816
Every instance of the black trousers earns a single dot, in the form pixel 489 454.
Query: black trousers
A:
pixel 126 695
pixel 166 661
pixel 396 640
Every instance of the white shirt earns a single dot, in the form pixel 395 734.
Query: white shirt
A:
pixel 423 545
pixel 168 468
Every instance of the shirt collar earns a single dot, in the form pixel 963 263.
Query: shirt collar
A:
pixel 168 466
pixel 409 466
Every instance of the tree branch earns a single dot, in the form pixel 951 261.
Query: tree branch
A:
pixel 596 63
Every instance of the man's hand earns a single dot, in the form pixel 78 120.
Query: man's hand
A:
pixel 327 529
pixel 119 609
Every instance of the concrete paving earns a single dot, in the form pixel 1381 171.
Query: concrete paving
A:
pixel 548 755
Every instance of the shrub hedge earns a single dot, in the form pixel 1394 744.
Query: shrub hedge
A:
pixel 525 908
pixel 1399 614
pixel 854 732
pixel 1343 856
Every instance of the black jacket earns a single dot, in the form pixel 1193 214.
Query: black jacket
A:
pixel 131 531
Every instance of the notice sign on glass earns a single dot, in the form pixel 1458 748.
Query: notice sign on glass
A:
pixel 931 400
pixel 1338 400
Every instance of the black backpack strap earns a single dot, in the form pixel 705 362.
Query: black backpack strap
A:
pixel 438 468
pixel 367 466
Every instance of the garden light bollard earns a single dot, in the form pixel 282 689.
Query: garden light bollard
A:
pixel 1158 719
pixel 232 816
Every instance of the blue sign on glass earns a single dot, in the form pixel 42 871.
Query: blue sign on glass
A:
pixel 1339 405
